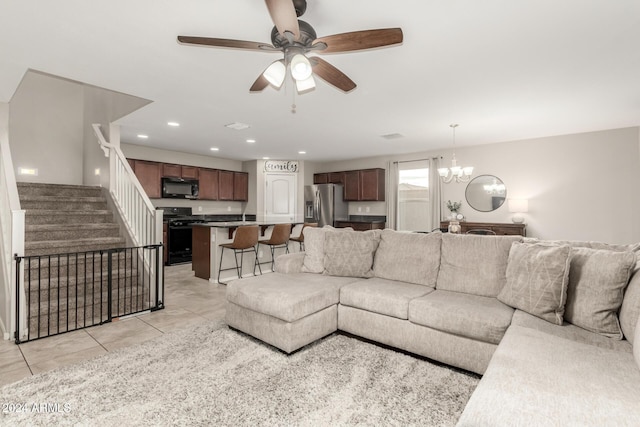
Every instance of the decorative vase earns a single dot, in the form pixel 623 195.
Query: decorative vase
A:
pixel 453 215
pixel 454 227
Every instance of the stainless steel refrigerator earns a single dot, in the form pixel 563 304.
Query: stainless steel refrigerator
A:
pixel 324 204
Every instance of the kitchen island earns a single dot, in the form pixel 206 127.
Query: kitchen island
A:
pixel 206 250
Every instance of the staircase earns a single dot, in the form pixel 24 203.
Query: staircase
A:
pixel 70 234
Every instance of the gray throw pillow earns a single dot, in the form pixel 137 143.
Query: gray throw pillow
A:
pixel 597 279
pixel 636 345
pixel 537 280
pixel 349 253
pixel 313 250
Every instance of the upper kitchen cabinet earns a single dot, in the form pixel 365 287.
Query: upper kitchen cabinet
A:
pixel 225 185
pixel 240 186
pixel 208 181
pixel 352 186
pixel 372 187
pixel 359 185
pixel 179 171
pixel 148 173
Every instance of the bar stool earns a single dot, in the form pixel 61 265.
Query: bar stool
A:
pixel 279 239
pixel 244 241
pixel 300 238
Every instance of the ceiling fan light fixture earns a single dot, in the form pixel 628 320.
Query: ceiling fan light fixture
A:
pixel 306 85
pixel 300 67
pixel 275 73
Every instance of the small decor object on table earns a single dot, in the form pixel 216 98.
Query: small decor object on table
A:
pixel 454 207
pixel 454 227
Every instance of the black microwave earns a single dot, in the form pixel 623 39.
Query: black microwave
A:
pixel 179 188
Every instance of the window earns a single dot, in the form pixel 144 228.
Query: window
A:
pixel 413 197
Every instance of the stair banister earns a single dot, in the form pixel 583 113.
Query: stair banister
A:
pixel 11 238
pixel 143 221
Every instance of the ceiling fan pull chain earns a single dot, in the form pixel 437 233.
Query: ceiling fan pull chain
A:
pixel 293 102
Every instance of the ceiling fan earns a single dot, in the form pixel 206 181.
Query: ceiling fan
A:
pixel 296 38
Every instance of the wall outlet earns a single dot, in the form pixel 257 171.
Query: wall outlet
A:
pixel 228 208
pixel 368 209
pixel 359 208
pixel 199 208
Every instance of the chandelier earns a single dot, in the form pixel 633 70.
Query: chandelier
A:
pixel 455 173
pixel 495 188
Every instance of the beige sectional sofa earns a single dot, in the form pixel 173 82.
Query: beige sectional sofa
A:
pixel 498 306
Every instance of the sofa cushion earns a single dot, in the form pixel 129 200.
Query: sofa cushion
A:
pixel 288 297
pixel 349 253
pixel 636 346
pixel 472 316
pixel 382 296
pixel 597 279
pixel 537 379
pixel 474 264
pixel 630 310
pixel 408 257
pixel 569 332
pixel 537 280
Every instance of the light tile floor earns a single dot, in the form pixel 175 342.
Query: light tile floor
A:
pixel 188 301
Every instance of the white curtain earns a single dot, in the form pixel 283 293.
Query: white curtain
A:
pixel 392 195
pixel 435 193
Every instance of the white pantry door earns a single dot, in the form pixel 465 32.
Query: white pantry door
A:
pixel 280 200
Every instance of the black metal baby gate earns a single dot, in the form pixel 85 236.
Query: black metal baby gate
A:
pixel 71 291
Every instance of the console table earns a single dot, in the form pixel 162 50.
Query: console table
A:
pixel 499 228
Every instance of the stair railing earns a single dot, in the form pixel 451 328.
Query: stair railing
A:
pixel 142 220
pixel 12 241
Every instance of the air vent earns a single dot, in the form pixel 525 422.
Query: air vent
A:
pixel 393 136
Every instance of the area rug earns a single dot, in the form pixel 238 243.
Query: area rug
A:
pixel 212 375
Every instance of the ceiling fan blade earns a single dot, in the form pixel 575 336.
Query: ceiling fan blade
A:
pixel 283 14
pixel 358 40
pixel 331 74
pixel 235 44
pixel 259 84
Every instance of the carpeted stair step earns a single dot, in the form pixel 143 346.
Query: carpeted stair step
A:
pixel 63 203
pixel 80 285
pixel 58 190
pixel 70 231
pixel 78 263
pixel 46 247
pixel 46 216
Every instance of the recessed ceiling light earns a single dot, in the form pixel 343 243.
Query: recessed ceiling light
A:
pixel 214 149
pixel 302 152
pixel 174 124
pixel 237 126
pixel 251 141
pixel 265 158
pixel 142 136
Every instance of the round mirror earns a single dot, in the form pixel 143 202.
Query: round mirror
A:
pixel 486 193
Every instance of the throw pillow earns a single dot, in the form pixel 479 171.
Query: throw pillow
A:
pixel 537 279
pixel 408 257
pixel 349 253
pixel 597 279
pixel 636 345
pixel 313 250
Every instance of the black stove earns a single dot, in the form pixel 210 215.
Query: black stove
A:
pixel 179 229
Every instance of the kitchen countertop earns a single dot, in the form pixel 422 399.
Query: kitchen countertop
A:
pixel 229 224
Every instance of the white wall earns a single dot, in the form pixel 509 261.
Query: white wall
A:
pixel 581 186
pixel 46 129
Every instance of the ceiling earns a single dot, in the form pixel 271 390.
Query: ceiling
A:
pixel 504 70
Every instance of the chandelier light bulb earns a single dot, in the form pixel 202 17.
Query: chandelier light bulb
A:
pixel 275 73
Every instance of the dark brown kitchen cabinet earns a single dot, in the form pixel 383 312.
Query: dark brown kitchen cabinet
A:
pixel 171 171
pixel 352 186
pixel 148 173
pixel 225 185
pixel 240 186
pixel 208 182
pixel 321 178
pixel 336 178
pixel 372 185
pixel 189 172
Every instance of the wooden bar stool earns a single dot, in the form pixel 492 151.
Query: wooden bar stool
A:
pixel 279 239
pixel 300 238
pixel 245 240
